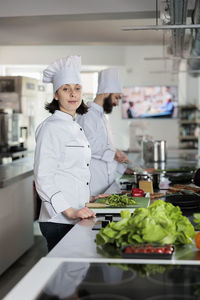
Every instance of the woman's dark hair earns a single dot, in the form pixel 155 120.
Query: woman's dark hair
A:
pixel 54 105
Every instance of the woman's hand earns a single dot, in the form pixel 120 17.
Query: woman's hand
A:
pixel 83 213
pixel 87 222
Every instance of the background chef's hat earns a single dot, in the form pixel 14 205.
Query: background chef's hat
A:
pixel 108 82
pixel 63 71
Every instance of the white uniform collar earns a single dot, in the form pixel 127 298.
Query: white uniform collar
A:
pixel 62 115
pixel 96 106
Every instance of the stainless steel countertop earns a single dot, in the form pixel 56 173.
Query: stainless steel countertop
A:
pixel 81 239
pixel 21 168
pixel 15 171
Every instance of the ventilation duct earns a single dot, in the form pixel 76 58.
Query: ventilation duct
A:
pixel 178 16
pixel 194 63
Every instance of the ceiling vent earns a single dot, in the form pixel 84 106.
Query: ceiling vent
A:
pixel 194 63
pixel 178 16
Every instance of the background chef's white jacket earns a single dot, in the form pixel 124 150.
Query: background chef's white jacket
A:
pixel 61 167
pixel 103 167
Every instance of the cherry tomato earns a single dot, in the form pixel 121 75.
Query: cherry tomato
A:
pixel 167 251
pixel 134 250
pixel 157 250
pixel 169 247
pixel 128 250
pixel 197 239
pixel 149 250
pixel 142 250
pixel 162 249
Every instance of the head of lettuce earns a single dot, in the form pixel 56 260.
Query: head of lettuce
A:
pixel 161 223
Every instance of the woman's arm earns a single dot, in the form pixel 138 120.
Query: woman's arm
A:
pixel 83 213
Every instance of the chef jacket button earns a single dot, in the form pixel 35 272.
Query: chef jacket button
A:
pixel 87 165
pixel 88 146
pixel 81 129
pixel 87 183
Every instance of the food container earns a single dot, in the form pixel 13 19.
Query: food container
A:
pixel 147 251
pixel 154 177
pixel 154 151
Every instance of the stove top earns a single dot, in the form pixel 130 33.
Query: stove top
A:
pixel 78 280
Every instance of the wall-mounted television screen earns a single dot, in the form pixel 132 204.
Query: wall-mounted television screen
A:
pixel 149 102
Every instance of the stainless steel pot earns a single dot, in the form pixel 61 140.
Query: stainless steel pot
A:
pixel 160 151
pixel 155 178
pixel 154 151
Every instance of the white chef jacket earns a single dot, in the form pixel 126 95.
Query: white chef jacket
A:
pixel 61 167
pixel 103 167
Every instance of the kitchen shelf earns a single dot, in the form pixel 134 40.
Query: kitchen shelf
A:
pixel 189 121
pixel 188 137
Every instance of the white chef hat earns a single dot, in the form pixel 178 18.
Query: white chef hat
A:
pixel 63 71
pixel 108 81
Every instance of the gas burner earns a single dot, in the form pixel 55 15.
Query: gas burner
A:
pixel 108 275
pixel 172 297
pixel 104 297
pixel 183 276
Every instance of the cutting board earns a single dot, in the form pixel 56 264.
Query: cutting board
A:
pixel 140 202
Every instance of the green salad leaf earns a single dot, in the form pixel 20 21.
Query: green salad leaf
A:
pixel 196 220
pixel 118 200
pixel 160 223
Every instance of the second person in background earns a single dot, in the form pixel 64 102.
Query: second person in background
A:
pixel 106 159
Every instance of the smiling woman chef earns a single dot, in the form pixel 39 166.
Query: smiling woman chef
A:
pixel 62 154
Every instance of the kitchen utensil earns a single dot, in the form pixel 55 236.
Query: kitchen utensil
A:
pixel 184 201
pixel 159 151
pixel 154 151
pixel 180 177
pixel 154 177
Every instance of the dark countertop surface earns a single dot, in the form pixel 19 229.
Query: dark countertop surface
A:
pixel 16 170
